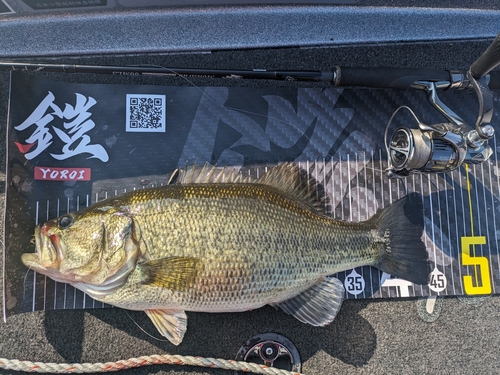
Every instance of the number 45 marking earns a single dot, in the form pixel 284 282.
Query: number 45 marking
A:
pixel 481 267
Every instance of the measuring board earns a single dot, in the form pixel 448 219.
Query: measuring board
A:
pixel 70 145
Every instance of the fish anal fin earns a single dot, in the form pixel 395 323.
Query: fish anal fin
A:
pixel 317 305
pixel 171 324
pixel 176 273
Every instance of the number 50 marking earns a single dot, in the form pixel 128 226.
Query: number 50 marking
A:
pixel 481 268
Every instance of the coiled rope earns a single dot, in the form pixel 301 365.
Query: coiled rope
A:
pixel 163 359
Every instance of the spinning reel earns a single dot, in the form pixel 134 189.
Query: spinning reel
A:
pixel 446 146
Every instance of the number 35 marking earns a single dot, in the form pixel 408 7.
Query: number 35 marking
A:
pixel 354 283
pixel 481 267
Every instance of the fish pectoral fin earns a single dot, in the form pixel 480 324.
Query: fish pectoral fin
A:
pixel 176 273
pixel 317 305
pixel 172 324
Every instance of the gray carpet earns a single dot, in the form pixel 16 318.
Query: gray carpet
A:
pixel 367 337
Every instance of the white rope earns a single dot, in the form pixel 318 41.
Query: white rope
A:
pixel 80 368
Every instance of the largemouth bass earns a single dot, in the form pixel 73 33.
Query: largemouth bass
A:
pixel 228 246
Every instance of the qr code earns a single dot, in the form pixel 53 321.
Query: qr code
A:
pixel 146 113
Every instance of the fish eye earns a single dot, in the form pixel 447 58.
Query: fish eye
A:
pixel 65 221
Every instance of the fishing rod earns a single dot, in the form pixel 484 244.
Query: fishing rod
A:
pixel 394 78
pixel 428 148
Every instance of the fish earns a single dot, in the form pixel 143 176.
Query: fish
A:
pixel 226 244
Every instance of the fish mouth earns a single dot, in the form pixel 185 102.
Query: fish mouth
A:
pixel 48 250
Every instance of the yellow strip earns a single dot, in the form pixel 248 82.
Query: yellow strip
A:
pixel 470 199
pixel 476 268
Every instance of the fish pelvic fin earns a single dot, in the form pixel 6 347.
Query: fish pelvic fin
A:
pixel 176 273
pixel 317 305
pixel 400 227
pixel 171 324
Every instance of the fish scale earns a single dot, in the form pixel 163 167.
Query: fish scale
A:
pixel 265 234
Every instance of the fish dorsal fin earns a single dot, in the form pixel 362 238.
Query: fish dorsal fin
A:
pixel 176 273
pixel 288 178
pixel 171 324
pixel 293 182
pixel 317 305
pixel 207 174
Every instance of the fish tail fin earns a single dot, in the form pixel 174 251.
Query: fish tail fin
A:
pixel 403 253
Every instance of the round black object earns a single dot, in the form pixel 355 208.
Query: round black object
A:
pixel 272 350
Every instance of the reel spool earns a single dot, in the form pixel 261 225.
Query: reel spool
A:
pixel 424 151
pixel 409 149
